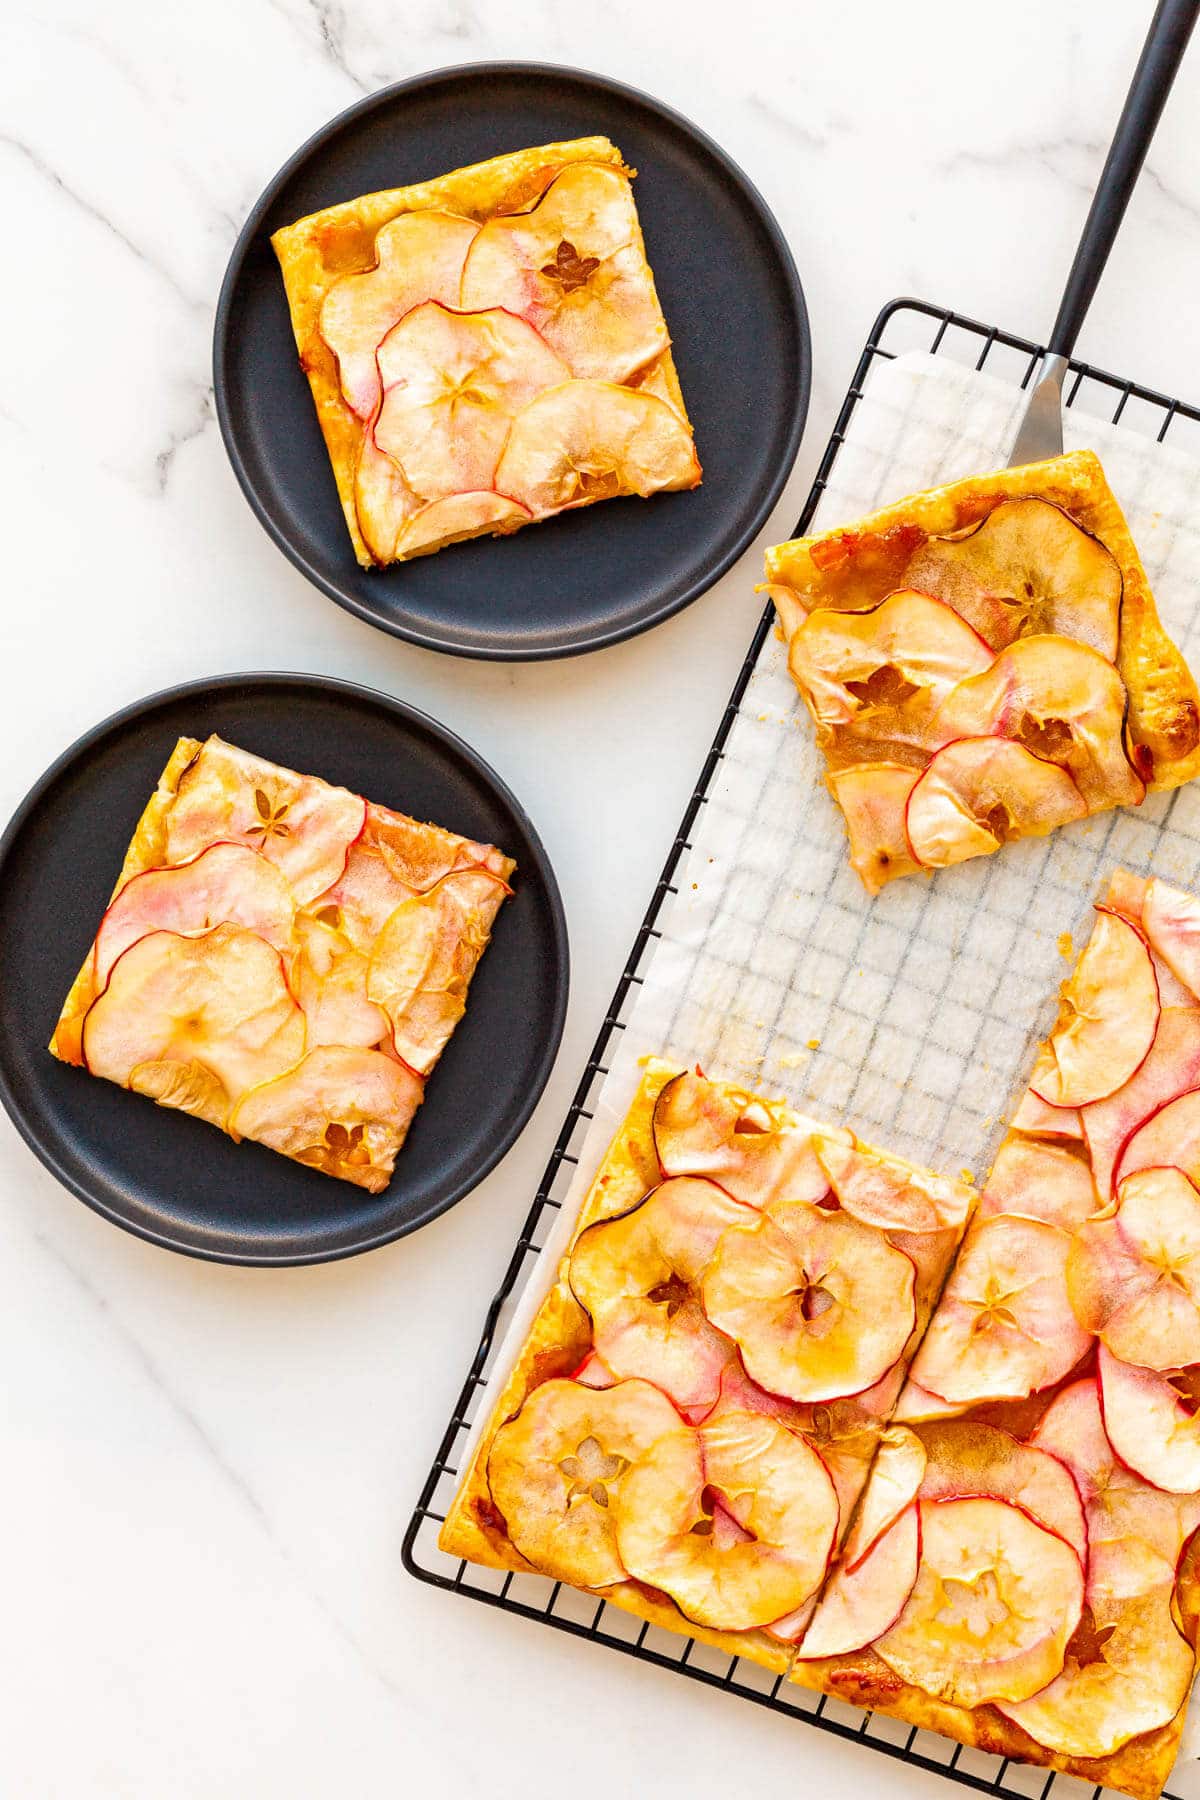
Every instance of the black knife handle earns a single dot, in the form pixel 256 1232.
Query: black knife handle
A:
pixel 1165 44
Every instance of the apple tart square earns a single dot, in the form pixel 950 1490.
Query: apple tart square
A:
pixel 486 349
pixel 983 662
pixel 283 958
pixel 690 1423
pixel 1030 1585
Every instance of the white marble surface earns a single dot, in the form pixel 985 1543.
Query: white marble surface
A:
pixel 207 1472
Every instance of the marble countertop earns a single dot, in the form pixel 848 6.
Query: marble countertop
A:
pixel 208 1471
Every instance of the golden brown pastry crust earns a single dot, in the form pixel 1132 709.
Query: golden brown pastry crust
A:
pixel 1164 706
pixel 317 251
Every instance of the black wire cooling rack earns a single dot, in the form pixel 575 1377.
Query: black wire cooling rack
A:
pixel 903 325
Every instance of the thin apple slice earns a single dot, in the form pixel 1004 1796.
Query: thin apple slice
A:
pixel 873 798
pixel 590 440
pixel 862 1601
pixel 1004 1326
pixel 1127 1671
pixel 383 500
pixel 979 792
pixel 423 959
pixel 1039 1180
pixel 882 1191
pixel 755 1149
pixel 1060 699
pixel 574 267
pixel 557 1468
pixel 301 824
pixel 458 517
pixel 594 1372
pixel 1041 1120
pixel 896 1475
pixel 227 884
pixel 635 1276
pixel 995 1602
pixel 1108 1016
pixel 341 1110
pixel 966 1457
pixel 1026 568
pixel 418 257
pixel 1168 1138
pixel 1134 1277
pixel 330 982
pixel 452 384
pixel 220 1000
pixel 1171 921
pixel 883 673
pixel 770 1482
pixel 820 1305
pixel 1150 1420
pixel 916 1405
pixel 1171 1068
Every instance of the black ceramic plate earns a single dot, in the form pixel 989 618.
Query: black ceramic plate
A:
pixel 733 302
pixel 171 1178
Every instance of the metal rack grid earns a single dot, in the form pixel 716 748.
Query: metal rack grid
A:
pixel 904 324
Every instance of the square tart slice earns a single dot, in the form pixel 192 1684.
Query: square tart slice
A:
pixel 486 349
pixel 691 1421
pixel 983 662
pixel 283 959
pixel 1050 1613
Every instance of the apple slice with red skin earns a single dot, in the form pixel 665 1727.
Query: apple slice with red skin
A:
pixel 1171 921
pixel 452 384
pixel 556 1470
pixel 1168 1138
pixel 755 1149
pixel 1150 1420
pixel 227 884
pixel 1039 1180
pixel 457 517
pixel 383 500
pixel 221 1000
pixel 592 440
pixel 418 257
pixel 1134 1276
pixel 1171 1068
pixel 1026 568
pixel 574 267
pixel 339 1111
pixel 917 1405
pixel 594 1372
pixel 897 1471
pixel 873 798
pixel 1061 700
pixel 979 792
pixel 1108 1016
pixel 329 979
pixel 301 824
pixel 1039 1119
pixel 771 1483
pixel 995 1602
pixel 422 961
pixel 886 1193
pixel 635 1276
pixel 883 673
pixel 820 1305
pixel 1004 1326
pixel 861 1601
pixel 964 1456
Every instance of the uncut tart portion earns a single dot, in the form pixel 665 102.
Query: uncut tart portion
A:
pixel 1051 1412
pixel 283 958
pixel 983 662
pixel 486 349
pixel 690 1423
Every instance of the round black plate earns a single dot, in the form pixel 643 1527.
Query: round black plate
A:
pixel 171 1178
pixel 733 302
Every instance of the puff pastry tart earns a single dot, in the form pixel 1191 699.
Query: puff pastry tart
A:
pixel 983 662
pixel 486 349
pixel 690 1424
pixel 1040 1569
pixel 283 958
